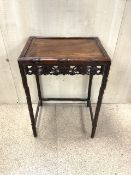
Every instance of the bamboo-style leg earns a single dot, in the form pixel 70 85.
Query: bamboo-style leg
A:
pixel 89 89
pixel 28 97
pixel 101 92
pixel 39 89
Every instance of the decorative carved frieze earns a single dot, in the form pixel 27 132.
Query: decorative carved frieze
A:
pixel 63 69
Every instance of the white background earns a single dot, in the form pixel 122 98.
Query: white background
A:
pixel 109 20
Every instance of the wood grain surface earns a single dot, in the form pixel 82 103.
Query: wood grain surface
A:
pixel 73 50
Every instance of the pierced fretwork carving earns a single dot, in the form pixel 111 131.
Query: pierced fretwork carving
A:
pixel 64 70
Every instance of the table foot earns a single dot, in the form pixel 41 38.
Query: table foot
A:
pixel 93 131
pixel 34 131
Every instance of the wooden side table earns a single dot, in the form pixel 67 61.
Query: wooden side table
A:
pixel 54 56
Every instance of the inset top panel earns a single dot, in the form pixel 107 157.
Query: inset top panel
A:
pixel 88 49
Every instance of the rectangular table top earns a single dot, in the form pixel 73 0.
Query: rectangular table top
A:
pixel 70 49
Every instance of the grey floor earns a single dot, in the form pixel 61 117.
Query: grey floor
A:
pixel 64 145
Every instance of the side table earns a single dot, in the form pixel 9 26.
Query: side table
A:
pixel 55 56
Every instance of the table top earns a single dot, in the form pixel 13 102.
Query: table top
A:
pixel 70 49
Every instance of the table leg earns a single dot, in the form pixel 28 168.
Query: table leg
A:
pixel 89 89
pixel 39 89
pixel 101 92
pixel 28 97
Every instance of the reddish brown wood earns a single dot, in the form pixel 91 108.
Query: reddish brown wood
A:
pixel 72 56
pixel 75 50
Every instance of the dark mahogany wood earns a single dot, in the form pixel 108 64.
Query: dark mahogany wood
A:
pixel 55 56
pixel 73 50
